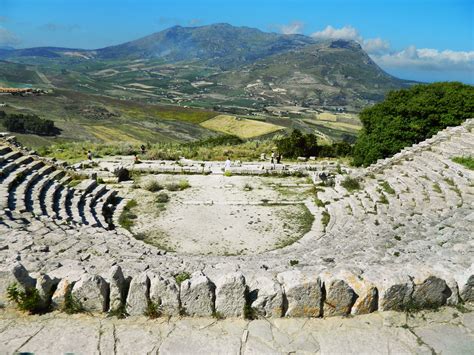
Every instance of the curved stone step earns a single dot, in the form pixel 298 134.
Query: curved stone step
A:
pixel 100 206
pixel 4 149
pixel 8 157
pixel 49 206
pixel 77 204
pixel 22 191
pixel 62 200
pixel 89 199
pixel 39 191
pixel 13 165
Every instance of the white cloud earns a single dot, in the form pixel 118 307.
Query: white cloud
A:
pixel 375 45
pixel 346 32
pixel 292 28
pixel 8 38
pixel 427 59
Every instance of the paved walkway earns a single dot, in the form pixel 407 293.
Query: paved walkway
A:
pixel 447 331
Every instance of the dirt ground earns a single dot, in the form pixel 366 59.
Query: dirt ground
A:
pixel 220 215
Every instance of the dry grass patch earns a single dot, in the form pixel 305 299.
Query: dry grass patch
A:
pixel 240 127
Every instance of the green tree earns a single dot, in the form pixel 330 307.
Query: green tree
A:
pixel 410 116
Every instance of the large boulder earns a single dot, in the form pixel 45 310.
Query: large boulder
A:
pixel 303 292
pixel 118 288
pixel 339 298
pixel 231 294
pixel 164 292
pixel 265 296
pixel 197 295
pixel 92 292
pixel 394 289
pixel 138 295
pixel 14 274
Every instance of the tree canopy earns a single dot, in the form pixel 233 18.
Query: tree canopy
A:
pixel 28 124
pixel 410 116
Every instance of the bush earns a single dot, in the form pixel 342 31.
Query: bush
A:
pixel 27 300
pixel 152 186
pixel 162 197
pixel 184 184
pixel 410 116
pixel 350 184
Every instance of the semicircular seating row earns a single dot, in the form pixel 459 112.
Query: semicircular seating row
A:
pixel 35 189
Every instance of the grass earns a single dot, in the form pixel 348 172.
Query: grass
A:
pixel 179 186
pixel 437 188
pixel 351 184
pixel 120 312
pixel 152 310
pixel 326 217
pixel 302 220
pixel 240 127
pixel 126 219
pixel 387 188
pixel 383 199
pixel 181 277
pixel 467 161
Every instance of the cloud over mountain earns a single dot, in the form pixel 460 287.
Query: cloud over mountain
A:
pixel 8 38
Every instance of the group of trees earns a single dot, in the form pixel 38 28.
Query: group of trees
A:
pixel 33 124
pixel 404 118
pixel 410 116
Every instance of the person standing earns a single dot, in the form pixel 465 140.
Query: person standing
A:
pixel 273 157
pixel 89 155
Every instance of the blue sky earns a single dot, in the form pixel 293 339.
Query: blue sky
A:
pixel 418 39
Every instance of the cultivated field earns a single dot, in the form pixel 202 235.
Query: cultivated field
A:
pixel 240 127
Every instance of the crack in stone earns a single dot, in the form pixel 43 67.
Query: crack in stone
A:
pixel 242 340
pixel 28 340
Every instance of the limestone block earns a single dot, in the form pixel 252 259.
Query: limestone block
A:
pixel 14 274
pixel 433 292
pixel 339 298
pixel 231 294
pixel 118 286
pixel 467 292
pixel 197 295
pixel 366 293
pixel 138 295
pixel 266 296
pixel 45 286
pixel 394 289
pixel 92 292
pixel 303 292
pixel 59 296
pixel 164 291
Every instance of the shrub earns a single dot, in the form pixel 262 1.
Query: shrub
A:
pixel 227 173
pixel 72 305
pixel 298 144
pixel 152 310
pixel 294 262
pixel 162 197
pixel 350 184
pixel 184 184
pixel 152 186
pixel 27 300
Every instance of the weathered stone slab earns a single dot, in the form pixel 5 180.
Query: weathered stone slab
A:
pixel 432 293
pixel 138 295
pixel 303 292
pixel 118 287
pixel 197 295
pixel 164 291
pixel 266 296
pixel 92 292
pixel 231 294
pixel 339 298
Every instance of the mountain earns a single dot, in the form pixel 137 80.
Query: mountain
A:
pixel 219 66
pixel 219 44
